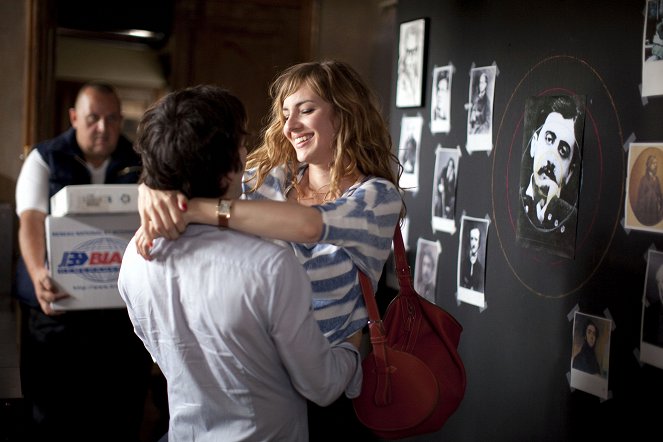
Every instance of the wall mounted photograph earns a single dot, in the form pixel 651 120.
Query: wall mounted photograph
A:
pixel 441 100
pixel 444 189
pixel 408 151
pixel 425 269
pixel 590 354
pixel 472 260
pixel 480 115
pixel 550 173
pixel 651 341
pixel 652 49
pixel 411 63
pixel 643 205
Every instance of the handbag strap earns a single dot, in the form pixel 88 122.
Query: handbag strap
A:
pixel 376 329
pixel 402 268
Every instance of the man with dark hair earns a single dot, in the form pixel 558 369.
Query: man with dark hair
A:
pixel 585 360
pixel 480 112
pixel 84 374
pixel 550 173
pixel 226 315
pixel 471 268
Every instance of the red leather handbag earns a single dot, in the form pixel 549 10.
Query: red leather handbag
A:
pixel 414 378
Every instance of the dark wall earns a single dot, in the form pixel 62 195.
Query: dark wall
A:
pixel 517 350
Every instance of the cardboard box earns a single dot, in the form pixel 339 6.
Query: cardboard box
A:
pixel 95 198
pixel 84 255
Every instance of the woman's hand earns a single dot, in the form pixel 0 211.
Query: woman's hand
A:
pixel 143 246
pixel 161 213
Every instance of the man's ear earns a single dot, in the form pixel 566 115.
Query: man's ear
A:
pixel 72 116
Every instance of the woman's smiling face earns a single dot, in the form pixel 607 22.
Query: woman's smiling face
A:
pixel 309 126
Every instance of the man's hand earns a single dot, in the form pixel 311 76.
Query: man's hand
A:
pixel 47 292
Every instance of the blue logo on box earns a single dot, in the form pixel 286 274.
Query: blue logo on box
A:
pixel 96 260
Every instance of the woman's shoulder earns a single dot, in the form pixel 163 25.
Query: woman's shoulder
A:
pixel 379 185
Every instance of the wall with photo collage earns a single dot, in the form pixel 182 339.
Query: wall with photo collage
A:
pixel 518 339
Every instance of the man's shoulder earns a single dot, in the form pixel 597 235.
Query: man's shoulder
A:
pixel 66 141
pixel 239 246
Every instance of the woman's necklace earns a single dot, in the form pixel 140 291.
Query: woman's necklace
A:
pixel 307 193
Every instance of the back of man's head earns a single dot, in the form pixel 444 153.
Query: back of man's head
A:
pixel 190 140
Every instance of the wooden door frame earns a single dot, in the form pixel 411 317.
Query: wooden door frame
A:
pixel 40 86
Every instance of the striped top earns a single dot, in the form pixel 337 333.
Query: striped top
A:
pixel 358 229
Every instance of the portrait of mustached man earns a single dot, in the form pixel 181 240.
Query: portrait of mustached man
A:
pixel 550 173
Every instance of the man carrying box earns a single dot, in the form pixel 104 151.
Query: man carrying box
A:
pixel 84 374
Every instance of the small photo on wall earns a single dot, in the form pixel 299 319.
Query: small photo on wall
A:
pixel 652 49
pixel 480 115
pixel 472 260
pixel 651 342
pixel 441 100
pixel 590 355
pixel 644 198
pixel 408 151
pixel 425 269
pixel 411 53
pixel 444 189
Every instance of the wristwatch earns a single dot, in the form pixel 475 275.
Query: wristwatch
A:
pixel 223 212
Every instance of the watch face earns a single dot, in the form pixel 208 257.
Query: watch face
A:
pixel 224 208
pixel 223 212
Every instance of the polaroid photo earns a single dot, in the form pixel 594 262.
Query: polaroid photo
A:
pixel 408 151
pixel 440 113
pixel 444 189
pixel 471 271
pixel 425 269
pixel 480 109
pixel 590 355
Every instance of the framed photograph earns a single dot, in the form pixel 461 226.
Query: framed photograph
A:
pixel 590 355
pixel 643 206
pixel 411 60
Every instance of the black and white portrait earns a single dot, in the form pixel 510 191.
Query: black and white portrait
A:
pixel 550 173
pixel 480 108
pixel 408 151
pixel 441 100
pixel 411 52
pixel 444 189
pixel 644 192
pixel 652 49
pixel 651 345
pixel 590 354
pixel 425 270
pixel 472 260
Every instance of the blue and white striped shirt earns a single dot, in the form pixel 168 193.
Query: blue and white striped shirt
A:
pixel 358 229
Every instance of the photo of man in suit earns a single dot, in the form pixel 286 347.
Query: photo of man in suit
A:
pixel 550 171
